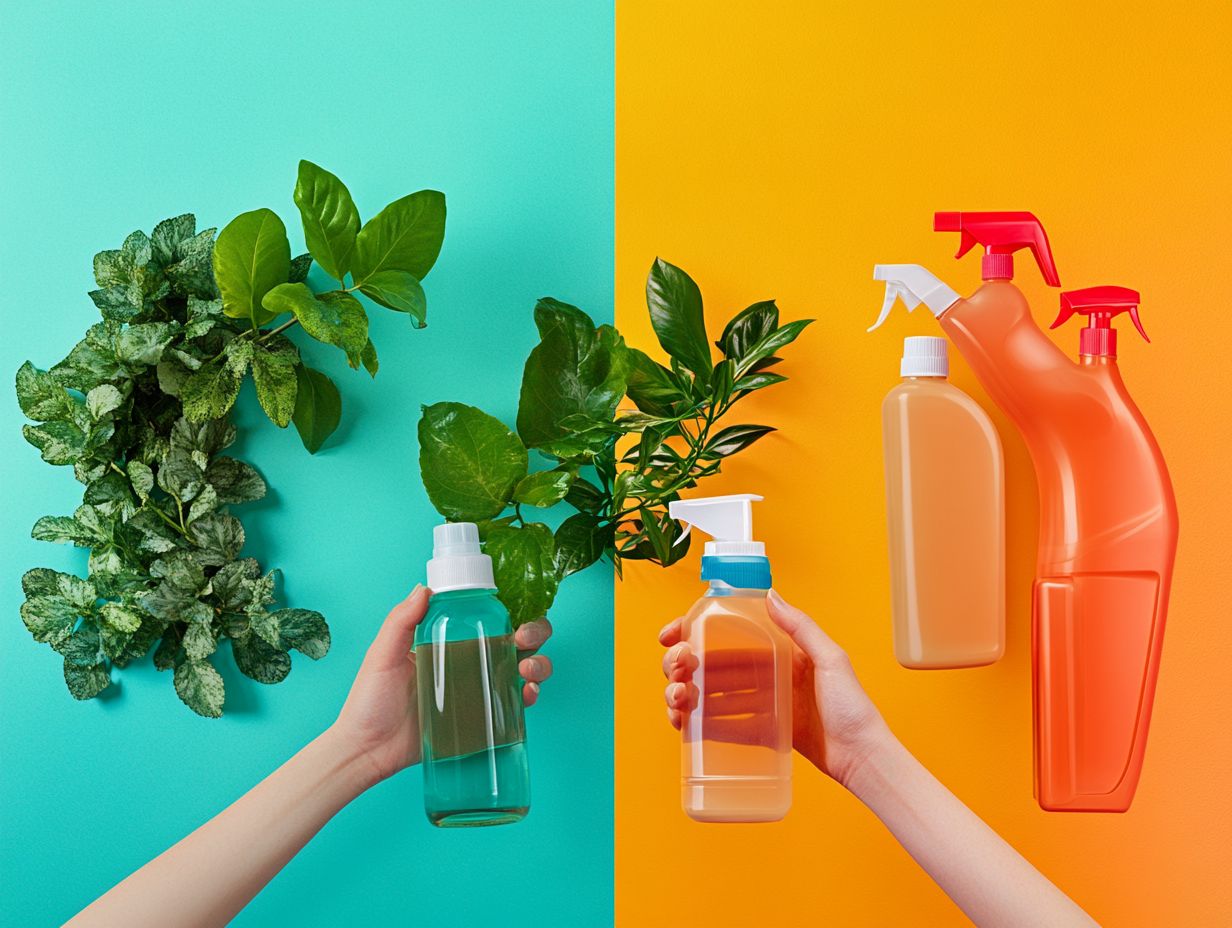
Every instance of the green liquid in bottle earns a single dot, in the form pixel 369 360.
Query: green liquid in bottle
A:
pixel 470 707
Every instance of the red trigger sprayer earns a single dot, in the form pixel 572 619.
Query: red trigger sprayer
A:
pixel 1108 520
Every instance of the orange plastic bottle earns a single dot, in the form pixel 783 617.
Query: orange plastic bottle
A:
pixel 945 513
pixel 1108 520
pixel 736 733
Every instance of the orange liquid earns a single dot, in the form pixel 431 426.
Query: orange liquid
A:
pixel 736 745
pixel 945 501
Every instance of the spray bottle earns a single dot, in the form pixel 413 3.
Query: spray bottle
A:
pixel 1108 520
pixel 736 732
pixel 470 694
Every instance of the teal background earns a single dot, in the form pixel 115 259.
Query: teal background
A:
pixel 114 116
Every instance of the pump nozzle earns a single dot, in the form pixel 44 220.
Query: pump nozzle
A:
pixel 1001 234
pixel 726 519
pixel 913 285
pixel 1100 305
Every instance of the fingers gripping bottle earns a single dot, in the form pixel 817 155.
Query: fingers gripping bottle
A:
pixel 736 731
pixel 470 694
pixel 1108 520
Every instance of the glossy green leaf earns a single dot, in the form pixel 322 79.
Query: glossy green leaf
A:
pixel 651 385
pixel 331 220
pixel 543 489
pixel 304 630
pixel 469 461
pixel 747 328
pixel 369 358
pixel 405 236
pixel 732 439
pixel 576 372
pixel 675 305
pixel 59 442
pixel 259 661
pixel 758 381
pixel 585 496
pixel 41 395
pixel 251 257
pixel 234 481
pixel 770 344
pixel 524 567
pixel 398 290
pixel 580 541
pixel 318 407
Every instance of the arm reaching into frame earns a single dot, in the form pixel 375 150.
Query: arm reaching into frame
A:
pixel 838 729
pixel 205 879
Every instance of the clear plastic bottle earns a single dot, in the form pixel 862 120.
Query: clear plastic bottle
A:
pixel 945 506
pixel 736 733
pixel 470 695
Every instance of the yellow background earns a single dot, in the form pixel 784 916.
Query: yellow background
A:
pixel 780 150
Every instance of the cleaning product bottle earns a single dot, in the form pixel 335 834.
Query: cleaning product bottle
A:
pixel 470 694
pixel 736 733
pixel 945 508
pixel 1108 520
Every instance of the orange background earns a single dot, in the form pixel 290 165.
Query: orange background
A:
pixel 780 150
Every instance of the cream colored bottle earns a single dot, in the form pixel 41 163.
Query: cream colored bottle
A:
pixel 945 505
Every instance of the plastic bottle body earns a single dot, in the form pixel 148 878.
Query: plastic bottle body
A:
pixel 945 506
pixel 736 733
pixel 470 709
pixel 1108 534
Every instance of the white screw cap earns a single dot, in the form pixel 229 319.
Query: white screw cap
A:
pixel 458 562
pixel 925 356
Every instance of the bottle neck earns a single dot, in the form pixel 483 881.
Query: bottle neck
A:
pixel 718 588
pixel 467 592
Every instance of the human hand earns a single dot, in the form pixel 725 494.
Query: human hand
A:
pixel 835 725
pixel 380 719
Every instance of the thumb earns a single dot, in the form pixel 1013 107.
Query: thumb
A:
pixel 806 633
pixel 392 644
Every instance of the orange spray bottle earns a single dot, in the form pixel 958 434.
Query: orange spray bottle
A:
pixel 1108 520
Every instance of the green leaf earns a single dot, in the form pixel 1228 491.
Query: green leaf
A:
pixel 203 315
pixel 182 573
pixel 59 442
pixel 219 537
pixel 83 648
pixel 168 650
pixel 142 345
pixel 651 385
pixel 41 395
pixel 60 530
pixel 675 305
pixel 273 373
pixel 585 496
pixel 232 587
pixel 524 568
pixel 405 236
pixel 732 439
pixel 86 682
pixel 770 344
pixel 200 687
pixel 336 318
pixel 543 489
pixel 142 478
pixel 300 266
pixel 318 407
pixel 92 360
pixel 331 220
pixel 369 359
pixel 398 290
pixel 180 475
pixel 251 257
pixel 103 399
pixel 259 661
pixel 121 617
pixel 580 541
pixel 265 625
pixel 166 237
pixel 234 481
pixel 199 641
pixel 747 328
pixel 208 437
pixel 206 502
pixel 751 382
pixel 469 461
pixel 209 393
pixel 304 630
pixel 575 371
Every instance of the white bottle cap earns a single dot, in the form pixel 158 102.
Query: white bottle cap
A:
pixel 457 562
pixel 925 356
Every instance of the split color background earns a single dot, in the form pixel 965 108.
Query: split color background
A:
pixel 780 150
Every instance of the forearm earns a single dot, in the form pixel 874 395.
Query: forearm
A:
pixel 990 881
pixel 205 879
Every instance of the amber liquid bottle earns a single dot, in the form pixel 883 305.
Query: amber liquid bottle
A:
pixel 945 506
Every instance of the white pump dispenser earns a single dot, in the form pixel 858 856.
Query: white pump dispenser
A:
pixel 913 285
pixel 726 519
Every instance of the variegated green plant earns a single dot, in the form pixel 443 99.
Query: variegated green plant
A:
pixel 140 409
